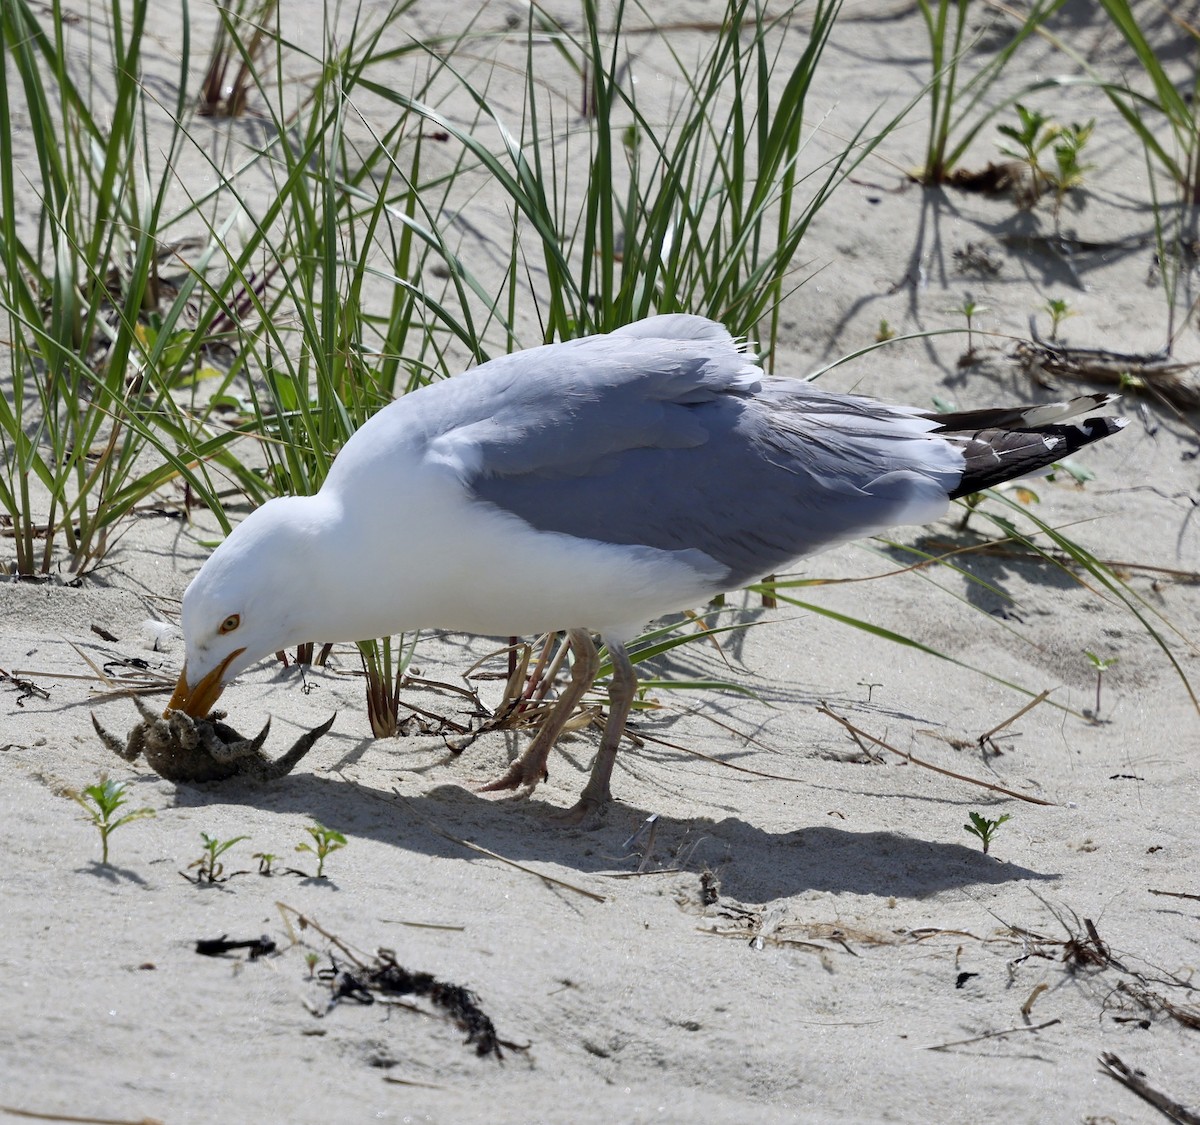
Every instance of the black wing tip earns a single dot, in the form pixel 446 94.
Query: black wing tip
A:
pixel 1028 418
pixel 993 457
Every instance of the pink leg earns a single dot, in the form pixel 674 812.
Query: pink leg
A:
pixel 530 768
pixel 598 792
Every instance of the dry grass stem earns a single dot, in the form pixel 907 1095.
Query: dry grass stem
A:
pixel 307 923
pixel 986 738
pixel 1186 1014
pixel 1158 374
pixel 1175 894
pixel 993 1035
pixel 824 710
pixel 452 928
pixel 137 681
pixel 521 867
pixel 36 1116
pixel 720 761
pixel 1115 1067
pixel 1027 1007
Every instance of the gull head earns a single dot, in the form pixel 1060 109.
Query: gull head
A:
pixel 258 592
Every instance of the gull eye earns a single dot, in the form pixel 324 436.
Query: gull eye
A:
pixel 230 623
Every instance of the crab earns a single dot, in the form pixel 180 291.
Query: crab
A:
pixel 180 748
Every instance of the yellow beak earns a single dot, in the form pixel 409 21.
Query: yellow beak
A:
pixel 198 701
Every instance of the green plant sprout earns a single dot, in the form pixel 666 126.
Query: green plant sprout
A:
pixel 325 841
pixel 100 802
pixel 1080 474
pixel 1033 135
pixel 1030 138
pixel 210 870
pixel 970 310
pixel 1069 169
pixel 265 860
pixel 1059 309
pixel 984 828
pixel 885 332
pixel 959 107
pixel 1101 666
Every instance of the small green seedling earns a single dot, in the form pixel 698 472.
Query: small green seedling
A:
pixel 970 310
pixel 1069 169
pixel 984 828
pixel 1031 136
pixel 100 802
pixel 210 870
pixel 886 332
pixel 1080 474
pixel 311 959
pixel 1059 310
pixel 1101 666
pixel 325 840
pixel 1034 133
pixel 265 859
pixel 1129 383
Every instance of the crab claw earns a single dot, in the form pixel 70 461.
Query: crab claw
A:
pixel 271 771
pixel 257 742
pixel 144 709
pixel 111 740
pixel 224 744
pixel 303 745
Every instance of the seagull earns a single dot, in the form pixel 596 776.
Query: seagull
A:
pixel 590 486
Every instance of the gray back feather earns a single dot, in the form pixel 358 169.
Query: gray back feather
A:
pixel 679 442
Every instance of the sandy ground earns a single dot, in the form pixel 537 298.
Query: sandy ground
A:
pixel 821 944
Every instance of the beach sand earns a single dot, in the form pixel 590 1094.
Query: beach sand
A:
pixel 806 933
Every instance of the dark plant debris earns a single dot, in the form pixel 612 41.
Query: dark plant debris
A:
pixel 1156 375
pixel 386 977
pixel 27 688
pixel 1135 1080
pixel 218 947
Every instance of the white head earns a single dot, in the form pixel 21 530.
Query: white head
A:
pixel 257 593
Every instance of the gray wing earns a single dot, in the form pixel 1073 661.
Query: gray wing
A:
pixel 678 442
pixel 565 410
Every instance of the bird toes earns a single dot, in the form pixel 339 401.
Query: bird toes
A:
pixel 520 775
pixel 587 812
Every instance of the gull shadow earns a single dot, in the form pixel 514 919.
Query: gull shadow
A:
pixel 754 865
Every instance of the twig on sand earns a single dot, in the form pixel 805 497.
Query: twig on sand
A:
pixel 307 923
pixel 858 731
pixel 1188 1015
pixel 1158 374
pixel 1175 894
pixel 31 1113
pixel 1115 1067
pixel 654 741
pixel 993 1035
pixel 521 867
pixel 984 739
